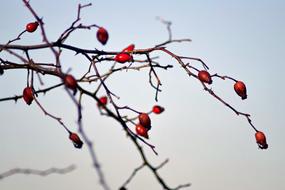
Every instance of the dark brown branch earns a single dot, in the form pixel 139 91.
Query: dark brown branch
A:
pixel 58 119
pixel 246 115
pixel 196 59
pixel 72 28
pixel 158 83
pixel 16 97
pixel 10 41
pixel 223 77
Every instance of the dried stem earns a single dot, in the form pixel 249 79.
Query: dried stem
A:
pixel 58 119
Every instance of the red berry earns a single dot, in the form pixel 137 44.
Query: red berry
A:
pixel 205 77
pixel 129 49
pixel 240 89
pixel 31 27
pixel 261 140
pixel 142 131
pixel 157 109
pixel 145 120
pixel 75 140
pixel 103 101
pixel 102 35
pixel 123 57
pixel 70 82
pixel 28 95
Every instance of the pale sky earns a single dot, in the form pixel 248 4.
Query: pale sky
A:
pixel 207 144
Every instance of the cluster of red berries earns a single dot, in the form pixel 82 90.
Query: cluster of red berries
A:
pixel 125 55
pixel 144 124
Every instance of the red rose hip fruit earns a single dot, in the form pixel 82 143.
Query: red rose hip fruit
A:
pixel 103 101
pixel 129 49
pixel 205 77
pixel 141 131
pixel 261 140
pixel 123 57
pixel 28 95
pixel 240 89
pixel 31 27
pixel 75 140
pixel 102 35
pixel 70 82
pixel 157 109
pixel 145 120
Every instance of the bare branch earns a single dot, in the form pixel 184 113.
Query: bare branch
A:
pixel 98 80
pixel 42 173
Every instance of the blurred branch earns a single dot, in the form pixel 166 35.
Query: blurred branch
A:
pixel 43 173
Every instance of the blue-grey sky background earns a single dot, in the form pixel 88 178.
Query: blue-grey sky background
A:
pixel 207 144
